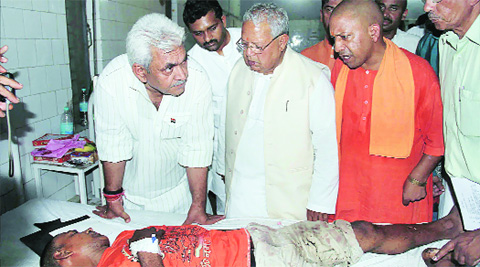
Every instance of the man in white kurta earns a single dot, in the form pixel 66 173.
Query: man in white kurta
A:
pixel 154 125
pixel 281 149
pixel 155 143
pixel 216 52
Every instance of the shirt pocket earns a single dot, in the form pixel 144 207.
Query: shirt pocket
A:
pixel 469 109
pixel 174 125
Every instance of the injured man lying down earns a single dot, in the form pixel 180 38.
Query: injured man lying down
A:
pixel 301 244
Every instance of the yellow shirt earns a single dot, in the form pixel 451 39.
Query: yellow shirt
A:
pixel 460 83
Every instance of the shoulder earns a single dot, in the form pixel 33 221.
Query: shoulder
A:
pixel 119 64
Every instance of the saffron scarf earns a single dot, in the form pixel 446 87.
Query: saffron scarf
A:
pixel 393 105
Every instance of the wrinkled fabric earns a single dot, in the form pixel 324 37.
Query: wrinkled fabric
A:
pixel 305 244
pixel 58 148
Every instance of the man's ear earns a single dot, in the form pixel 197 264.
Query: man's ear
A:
pixel 374 31
pixel 224 21
pixel 62 254
pixel 140 72
pixel 283 41
pixel 405 13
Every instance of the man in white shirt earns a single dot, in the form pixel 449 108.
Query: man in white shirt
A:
pixel 281 147
pixel 154 128
pixel 217 53
pixel 394 12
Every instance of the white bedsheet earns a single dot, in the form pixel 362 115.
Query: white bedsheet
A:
pixel 19 222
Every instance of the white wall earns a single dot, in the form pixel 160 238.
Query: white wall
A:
pixel 36 33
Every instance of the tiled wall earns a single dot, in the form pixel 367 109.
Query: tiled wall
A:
pixel 35 31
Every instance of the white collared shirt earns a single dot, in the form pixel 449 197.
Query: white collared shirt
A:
pixel 406 41
pixel 156 144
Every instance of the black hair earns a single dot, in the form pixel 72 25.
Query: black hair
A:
pixel 195 9
pixel 47 260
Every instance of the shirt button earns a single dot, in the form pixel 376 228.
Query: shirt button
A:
pixel 241 111
pixel 248 93
pixel 364 118
pixel 366 102
pixel 236 132
pixel 366 86
pixel 367 72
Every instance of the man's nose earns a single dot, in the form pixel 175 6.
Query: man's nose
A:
pixel 428 6
pixel 338 46
pixel 208 37
pixel 181 72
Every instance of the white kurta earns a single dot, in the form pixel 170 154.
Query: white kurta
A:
pixel 248 194
pixel 218 69
pixel 156 144
pixel 406 41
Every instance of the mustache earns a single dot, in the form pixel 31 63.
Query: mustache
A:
pixel 433 16
pixel 178 83
pixel 214 41
pixel 387 19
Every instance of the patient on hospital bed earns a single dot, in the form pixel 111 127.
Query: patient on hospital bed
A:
pixel 300 244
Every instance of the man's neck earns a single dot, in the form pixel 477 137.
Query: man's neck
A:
pixel 225 43
pixel 390 34
pixel 155 96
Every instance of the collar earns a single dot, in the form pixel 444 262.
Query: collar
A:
pixel 472 35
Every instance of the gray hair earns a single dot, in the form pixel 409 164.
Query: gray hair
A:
pixel 152 30
pixel 276 17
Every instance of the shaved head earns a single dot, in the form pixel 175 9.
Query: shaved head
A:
pixel 366 12
pixel 356 28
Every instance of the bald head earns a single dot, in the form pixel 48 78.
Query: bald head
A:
pixel 366 12
pixel 355 26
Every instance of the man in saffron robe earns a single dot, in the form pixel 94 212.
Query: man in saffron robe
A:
pixel 389 121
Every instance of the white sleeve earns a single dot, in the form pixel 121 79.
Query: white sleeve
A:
pixel 324 190
pixel 220 162
pixel 113 138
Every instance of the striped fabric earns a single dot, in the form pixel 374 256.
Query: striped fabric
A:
pixel 157 144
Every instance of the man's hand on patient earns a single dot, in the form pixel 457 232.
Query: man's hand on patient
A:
pixel 112 210
pixel 198 215
pixel 465 248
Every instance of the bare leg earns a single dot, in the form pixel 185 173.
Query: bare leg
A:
pixel 398 238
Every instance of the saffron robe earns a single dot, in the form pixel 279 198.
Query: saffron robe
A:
pixel 321 52
pixel 371 187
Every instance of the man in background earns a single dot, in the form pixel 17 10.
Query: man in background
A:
pixel 323 51
pixel 154 125
pixel 216 52
pixel 394 13
pixel 281 153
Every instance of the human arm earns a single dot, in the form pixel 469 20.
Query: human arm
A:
pixel 324 189
pixel 4 81
pixel 197 181
pixel 411 190
pixel 113 173
pixel 113 138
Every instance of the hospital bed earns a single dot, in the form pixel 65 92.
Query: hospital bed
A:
pixel 19 222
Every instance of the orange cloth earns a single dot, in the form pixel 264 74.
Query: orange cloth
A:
pixel 321 52
pixel 371 187
pixel 188 245
pixel 392 123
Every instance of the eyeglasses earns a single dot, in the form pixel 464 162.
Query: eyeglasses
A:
pixel 433 1
pixel 253 47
